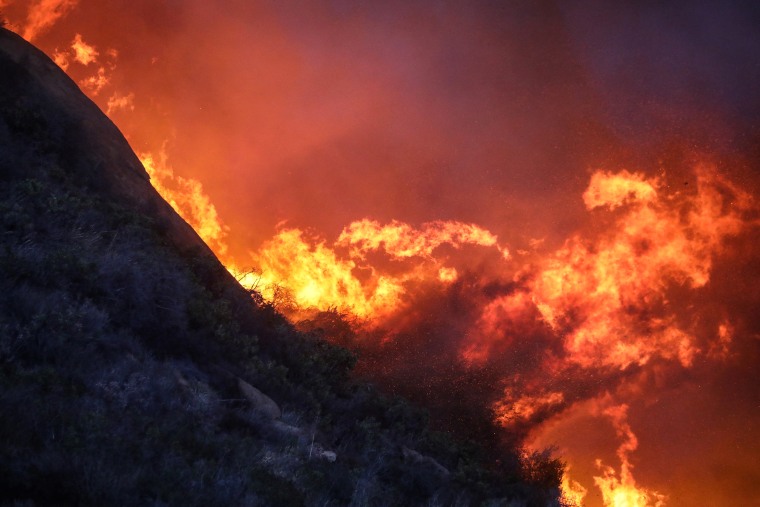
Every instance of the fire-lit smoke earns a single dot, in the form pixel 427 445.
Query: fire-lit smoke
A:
pixel 593 291
pixel 402 241
pixel 318 277
pixel 607 296
pixel 187 197
pixel 83 52
pixel 43 14
pixel 424 169
pixel 573 492
pixel 118 102
pixel 600 302
pixel 298 273
pixel 620 490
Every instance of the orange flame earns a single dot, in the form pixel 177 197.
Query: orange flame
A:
pixel 83 52
pixel 402 241
pixel 310 275
pixel 720 348
pixel 621 490
pixel 612 190
pixel 317 276
pixel 572 492
pixel 608 296
pixel 523 408
pixel 500 321
pixel 119 102
pixel 96 82
pixel 605 297
pixel 186 196
pixel 607 300
pixel 45 13
pixel 597 291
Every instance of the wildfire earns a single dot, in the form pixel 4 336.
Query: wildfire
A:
pixel 400 240
pixel 318 277
pixel 120 102
pixel 606 299
pixel 500 322
pixel 620 490
pixel 43 14
pixel 573 492
pixel 603 305
pixel 610 296
pixel 83 52
pixel 187 197
pixel 524 408
pixel 300 273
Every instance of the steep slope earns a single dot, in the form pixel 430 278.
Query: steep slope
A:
pixel 134 370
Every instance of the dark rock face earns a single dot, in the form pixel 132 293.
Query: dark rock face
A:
pixel 424 461
pixel 259 400
pixel 86 141
pixel 125 346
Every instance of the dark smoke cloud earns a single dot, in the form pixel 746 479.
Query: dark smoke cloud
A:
pixel 675 69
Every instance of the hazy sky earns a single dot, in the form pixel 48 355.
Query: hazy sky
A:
pixel 321 113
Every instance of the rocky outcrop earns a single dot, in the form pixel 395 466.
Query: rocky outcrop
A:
pixel 318 452
pixel 259 400
pixel 412 456
pixel 96 153
pixel 287 429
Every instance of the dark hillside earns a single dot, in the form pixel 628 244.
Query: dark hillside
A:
pixel 134 370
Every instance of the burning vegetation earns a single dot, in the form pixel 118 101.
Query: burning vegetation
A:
pixel 513 333
pixel 599 306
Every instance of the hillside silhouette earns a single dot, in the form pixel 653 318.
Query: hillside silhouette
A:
pixel 134 370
